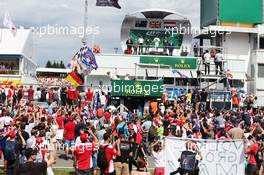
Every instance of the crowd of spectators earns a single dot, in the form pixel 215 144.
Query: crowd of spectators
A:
pixel 52 81
pixel 7 67
pixel 97 137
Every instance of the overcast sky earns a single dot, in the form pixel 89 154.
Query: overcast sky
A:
pixel 68 13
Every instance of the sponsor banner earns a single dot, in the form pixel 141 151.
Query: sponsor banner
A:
pixel 218 157
pixel 137 88
pixel 173 61
pixel 10 82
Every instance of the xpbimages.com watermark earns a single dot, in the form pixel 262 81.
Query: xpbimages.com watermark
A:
pixel 95 30
pixel 65 30
pixel 185 30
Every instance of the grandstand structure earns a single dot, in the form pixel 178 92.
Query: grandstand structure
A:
pixel 17 65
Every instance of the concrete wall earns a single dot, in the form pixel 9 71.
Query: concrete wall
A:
pixel 238 47
pixel 259 82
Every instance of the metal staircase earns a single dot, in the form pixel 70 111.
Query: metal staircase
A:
pixel 219 79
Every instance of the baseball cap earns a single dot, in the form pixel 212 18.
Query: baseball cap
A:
pixel 29 152
pixel 83 137
pixel 12 134
pixel 39 140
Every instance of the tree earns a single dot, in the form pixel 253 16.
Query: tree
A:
pixel 48 64
pixel 55 64
pixel 62 65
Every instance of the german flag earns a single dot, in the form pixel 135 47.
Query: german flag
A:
pixel 75 79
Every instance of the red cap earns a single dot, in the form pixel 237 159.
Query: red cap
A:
pixel 83 137
pixel 12 134
pixel 39 140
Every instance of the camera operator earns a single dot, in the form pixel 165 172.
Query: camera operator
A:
pixel 189 160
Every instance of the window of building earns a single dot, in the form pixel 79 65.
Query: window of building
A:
pixel 261 43
pixel 261 70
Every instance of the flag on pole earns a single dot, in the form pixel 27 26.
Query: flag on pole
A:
pixel 108 3
pixel 75 79
pixel 86 60
pixel 8 23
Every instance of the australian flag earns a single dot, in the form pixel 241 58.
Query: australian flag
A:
pixel 108 3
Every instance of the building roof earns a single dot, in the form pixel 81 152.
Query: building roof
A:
pixel 53 70
pixel 157 13
pixel 19 42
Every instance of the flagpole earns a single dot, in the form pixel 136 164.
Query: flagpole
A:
pixel 84 40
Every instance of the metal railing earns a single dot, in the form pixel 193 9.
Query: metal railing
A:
pixel 146 49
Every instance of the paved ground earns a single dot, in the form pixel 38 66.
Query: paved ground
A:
pixel 62 163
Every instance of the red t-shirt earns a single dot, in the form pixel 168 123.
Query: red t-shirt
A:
pixel 71 94
pixel 30 94
pixel 10 94
pixel 107 116
pixel 69 130
pixel 253 151
pixel 60 121
pixel 83 153
pixel 51 95
pixel 110 153
pixel 75 97
pixel 89 96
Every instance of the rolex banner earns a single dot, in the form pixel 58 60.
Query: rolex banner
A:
pixel 215 158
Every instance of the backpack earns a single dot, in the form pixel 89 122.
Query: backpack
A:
pixel 152 133
pixel 122 130
pixel 188 161
pixel 9 151
pixel 102 162
pixel 259 156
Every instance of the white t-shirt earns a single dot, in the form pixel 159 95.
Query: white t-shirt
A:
pixel 6 120
pixel 140 40
pixel 159 158
pixel 103 99
pixel 156 40
pixel 146 105
pixel 31 142
pixel 207 58
pixel 219 57
pixel 29 128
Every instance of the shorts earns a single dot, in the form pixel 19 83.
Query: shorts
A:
pixel 69 143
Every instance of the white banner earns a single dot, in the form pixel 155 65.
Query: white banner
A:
pixel 218 157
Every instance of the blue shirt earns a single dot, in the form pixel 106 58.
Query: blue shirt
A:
pixel 120 125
